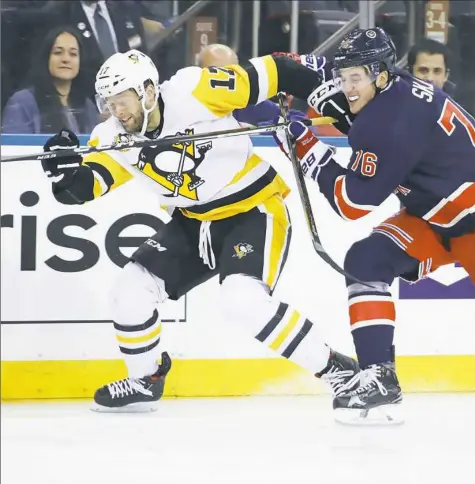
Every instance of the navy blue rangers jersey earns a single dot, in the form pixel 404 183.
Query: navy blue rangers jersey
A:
pixel 412 140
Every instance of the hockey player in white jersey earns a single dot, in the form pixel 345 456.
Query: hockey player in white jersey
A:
pixel 229 216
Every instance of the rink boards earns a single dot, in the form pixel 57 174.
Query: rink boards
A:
pixel 58 263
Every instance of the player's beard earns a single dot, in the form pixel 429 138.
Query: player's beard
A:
pixel 136 126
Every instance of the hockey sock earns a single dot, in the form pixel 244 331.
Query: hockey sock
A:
pixel 372 317
pixel 296 338
pixel 247 304
pixel 136 296
pixel 138 344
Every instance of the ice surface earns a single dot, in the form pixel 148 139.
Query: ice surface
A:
pixel 273 440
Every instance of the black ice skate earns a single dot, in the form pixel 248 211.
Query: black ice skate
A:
pixel 375 401
pixel 133 394
pixel 340 373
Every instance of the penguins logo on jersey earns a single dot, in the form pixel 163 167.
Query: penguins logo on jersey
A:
pixel 242 249
pixel 174 167
pixel 123 138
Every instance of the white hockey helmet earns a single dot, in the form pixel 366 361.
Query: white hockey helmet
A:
pixel 123 71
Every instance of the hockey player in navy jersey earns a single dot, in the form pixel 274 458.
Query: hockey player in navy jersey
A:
pixel 407 138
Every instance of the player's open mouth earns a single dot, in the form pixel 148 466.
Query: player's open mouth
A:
pixel 353 99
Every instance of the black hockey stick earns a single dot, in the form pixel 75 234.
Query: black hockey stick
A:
pixel 167 141
pixel 305 200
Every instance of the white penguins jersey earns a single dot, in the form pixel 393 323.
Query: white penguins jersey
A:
pixel 206 180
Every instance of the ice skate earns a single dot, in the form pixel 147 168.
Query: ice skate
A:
pixel 133 395
pixel 375 402
pixel 340 373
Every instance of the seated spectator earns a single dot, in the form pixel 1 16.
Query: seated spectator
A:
pixel 55 96
pixel 105 27
pixel 429 60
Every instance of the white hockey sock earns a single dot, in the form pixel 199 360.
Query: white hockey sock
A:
pixel 296 338
pixel 247 303
pixel 135 299
pixel 139 344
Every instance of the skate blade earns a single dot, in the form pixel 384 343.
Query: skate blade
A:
pixel 142 407
pixel 385 415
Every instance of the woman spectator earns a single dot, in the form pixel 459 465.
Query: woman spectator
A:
pixel 55 96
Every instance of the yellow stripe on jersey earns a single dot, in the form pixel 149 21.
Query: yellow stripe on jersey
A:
pixel 278 233
pixel 108 173
pixel 224 89
pixel 276 186
pixel 251 163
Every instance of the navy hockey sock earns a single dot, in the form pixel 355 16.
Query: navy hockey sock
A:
pixel 372 316
pixel 374 344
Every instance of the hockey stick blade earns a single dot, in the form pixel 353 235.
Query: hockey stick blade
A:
pixel 306 205
pixel 167 141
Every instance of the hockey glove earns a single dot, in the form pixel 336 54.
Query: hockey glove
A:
pixel 312 153
pixel 57 168
pixel 73 182
pixel 327 99
pixel 280 136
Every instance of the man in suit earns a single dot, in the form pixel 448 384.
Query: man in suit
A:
pixel 106 27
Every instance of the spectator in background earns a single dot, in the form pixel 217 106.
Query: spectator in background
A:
pixel 106 27
pixel 55 97
pixel 429 60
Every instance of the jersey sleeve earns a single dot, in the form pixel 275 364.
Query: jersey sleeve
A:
pixel 98 174
pixel 224 89
pixel 376 168
pixel 108 172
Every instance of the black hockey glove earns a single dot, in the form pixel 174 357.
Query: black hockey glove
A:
pixel 73 183
pixel 59 167
pixel 337 107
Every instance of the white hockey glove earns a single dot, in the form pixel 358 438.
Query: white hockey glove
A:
pixel 312 153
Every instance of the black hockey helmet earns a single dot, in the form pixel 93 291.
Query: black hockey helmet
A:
pixel 372 48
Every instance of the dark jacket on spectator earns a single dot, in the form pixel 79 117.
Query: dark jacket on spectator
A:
pixel 127 24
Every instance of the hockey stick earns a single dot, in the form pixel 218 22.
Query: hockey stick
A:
pixel 305 200
pixel 179 172
pixel 167 141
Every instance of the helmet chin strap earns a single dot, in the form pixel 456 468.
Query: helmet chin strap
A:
pixel 146 112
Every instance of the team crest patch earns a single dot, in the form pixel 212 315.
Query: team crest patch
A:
pixel 371 34
pixel 174 167
pixel 242 249
pixel 122 138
